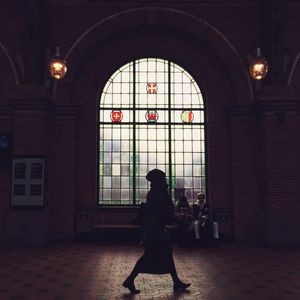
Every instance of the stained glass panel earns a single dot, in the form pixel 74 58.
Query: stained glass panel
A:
pixel 151 88
pixel 130 145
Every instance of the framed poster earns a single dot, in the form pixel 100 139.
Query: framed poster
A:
pixel 27 182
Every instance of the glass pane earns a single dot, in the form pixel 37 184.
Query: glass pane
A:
pixel 106 182
pixel 116 181
pixel 116 157
pixel 125 170
pixel 116 195
pixel 125 182
pixel 106 194
pixel 178 158
pixel 142 182
pixel 107 146
pixel 179 170
pixel 124 194
pixel 196 156
pixel 143 146
pixel 197 182
pixel 179 146
pixel 161 158
pixel 116 170
pixel 107 170
pixel 143 169
pixel 197 170
pixel 116 146
pixel 179 182
pixel 143 158
pixel 188 158
pixel 143 194
pixel 188 170
pixel 187 134
pixel 125 157
pixel 151 146
pixel 188 182
pixel 152 158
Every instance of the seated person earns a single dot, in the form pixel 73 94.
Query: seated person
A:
pixel 183 213
pixel 203 225
pixel 182 206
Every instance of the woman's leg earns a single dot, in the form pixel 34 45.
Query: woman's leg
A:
pixel 197 229
pixel 173 271
pixel 177 283
pixel 129 282
pixel 136 270
pixel 216 230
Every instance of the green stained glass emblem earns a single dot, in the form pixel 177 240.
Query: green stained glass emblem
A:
pixel 187 116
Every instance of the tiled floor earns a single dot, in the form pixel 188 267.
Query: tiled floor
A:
pixel 96 271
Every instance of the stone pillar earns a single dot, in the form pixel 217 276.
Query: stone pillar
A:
pixel 280 144
pixel 272 39
pixel 30 125
pixel 244 170
pixel 30 108
pixel 6 124
pixel 62 170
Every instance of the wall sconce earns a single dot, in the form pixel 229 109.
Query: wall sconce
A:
pixel 57 66
pixel 259 66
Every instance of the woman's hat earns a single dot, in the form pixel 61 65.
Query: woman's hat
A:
pixel 200 196
pixel 156 175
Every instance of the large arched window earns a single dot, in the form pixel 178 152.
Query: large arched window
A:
pixel 151 115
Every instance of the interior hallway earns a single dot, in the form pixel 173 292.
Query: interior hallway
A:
pixel 96 271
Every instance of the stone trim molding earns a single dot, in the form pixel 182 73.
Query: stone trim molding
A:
pixel 66 110
pixel 262 107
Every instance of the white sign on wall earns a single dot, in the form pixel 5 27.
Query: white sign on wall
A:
pixel 27 181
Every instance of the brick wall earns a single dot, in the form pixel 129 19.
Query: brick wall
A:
pixel 281 153
pixel 252 152
pixel 62 170
pixel 244 174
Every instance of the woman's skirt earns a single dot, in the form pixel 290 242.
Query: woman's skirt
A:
pixel 157 258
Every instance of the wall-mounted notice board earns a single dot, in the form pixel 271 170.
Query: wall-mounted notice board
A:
pixel 27 181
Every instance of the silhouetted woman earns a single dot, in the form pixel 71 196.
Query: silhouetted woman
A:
pixel 158 256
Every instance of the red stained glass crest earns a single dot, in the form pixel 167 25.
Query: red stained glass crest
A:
pixel 151 88
pixel 116 116
pixel 151 116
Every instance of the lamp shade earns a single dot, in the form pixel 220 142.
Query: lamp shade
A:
pixel 259 67
pixel 57 66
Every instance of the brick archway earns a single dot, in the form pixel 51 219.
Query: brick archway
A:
pixel 189 42
pixel 177 21
pixel 7 63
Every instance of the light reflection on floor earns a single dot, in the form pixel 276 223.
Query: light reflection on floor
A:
pixel 96 271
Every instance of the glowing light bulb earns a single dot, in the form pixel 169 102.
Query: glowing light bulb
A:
pixel 259 67
pixel 57 66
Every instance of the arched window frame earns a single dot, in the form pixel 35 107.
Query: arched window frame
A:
pixel 133 110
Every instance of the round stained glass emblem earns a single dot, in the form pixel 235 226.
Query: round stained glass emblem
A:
pixel 151 88
pixel 187 116
pixel 151 116
pixel 116 116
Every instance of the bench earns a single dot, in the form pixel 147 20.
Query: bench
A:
pixel 122 232
pixel 124 226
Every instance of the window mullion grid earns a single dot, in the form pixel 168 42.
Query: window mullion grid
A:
pixel 169 129
pixel 168 124
pixel 134 136
pixel 102 163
